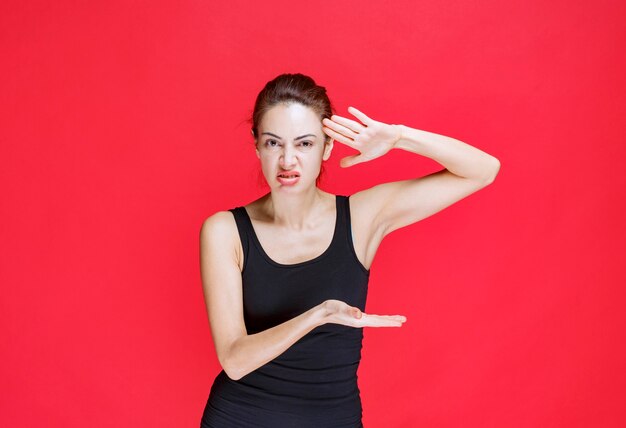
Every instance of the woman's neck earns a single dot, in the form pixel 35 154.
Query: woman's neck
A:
pixel 294 211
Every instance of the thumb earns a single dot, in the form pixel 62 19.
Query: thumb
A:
pixel 349 161
pixel 357 313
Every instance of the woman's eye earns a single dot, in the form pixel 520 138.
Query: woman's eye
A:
pixel 307 143
pixel 271 143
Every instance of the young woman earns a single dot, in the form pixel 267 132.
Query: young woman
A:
pixel 285 277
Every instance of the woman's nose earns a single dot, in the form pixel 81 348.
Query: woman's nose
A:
pixel 288 158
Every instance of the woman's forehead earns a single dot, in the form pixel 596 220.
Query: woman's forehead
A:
pixel 290 118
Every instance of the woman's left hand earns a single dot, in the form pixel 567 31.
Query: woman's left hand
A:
pixel 371 138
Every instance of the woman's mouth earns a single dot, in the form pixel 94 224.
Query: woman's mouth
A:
pixel 289 174
pixel 288 178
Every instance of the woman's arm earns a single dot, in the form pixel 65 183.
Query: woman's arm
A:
pixel 397 204
pixel 238 352
pixel 456 156
pixel 249 352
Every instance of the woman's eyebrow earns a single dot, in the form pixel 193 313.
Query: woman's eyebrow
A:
pixel 297 138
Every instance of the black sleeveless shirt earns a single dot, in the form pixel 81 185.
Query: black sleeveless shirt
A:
pixel 314 382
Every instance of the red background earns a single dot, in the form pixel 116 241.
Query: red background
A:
pixel 123 126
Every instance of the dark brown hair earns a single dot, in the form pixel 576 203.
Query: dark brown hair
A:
pixel 292 88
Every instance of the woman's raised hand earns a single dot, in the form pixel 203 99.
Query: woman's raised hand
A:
pixel 338 312
pixel 371 138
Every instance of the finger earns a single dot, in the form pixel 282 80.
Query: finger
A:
pixel 348 123
pixel 381 321
pixel 400 318
pixel 339 137
pixel 359 115
pixel 336 126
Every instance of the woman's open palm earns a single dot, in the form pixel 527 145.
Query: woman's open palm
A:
pixel 371 138
pixel 339 312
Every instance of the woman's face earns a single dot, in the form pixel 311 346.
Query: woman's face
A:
pixel 291 146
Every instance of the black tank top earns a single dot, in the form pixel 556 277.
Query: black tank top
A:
pixel 314 382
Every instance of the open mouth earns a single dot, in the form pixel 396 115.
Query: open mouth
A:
pixel 289 175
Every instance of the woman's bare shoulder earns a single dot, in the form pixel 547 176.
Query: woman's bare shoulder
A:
pixel 219 230
pixel 220 227
pixel 220 220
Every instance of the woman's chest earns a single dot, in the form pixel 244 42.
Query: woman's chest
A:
pixel 272 295
pixel 288 247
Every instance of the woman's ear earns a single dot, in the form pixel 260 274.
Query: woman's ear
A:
pixel 328 148
pixel 256 145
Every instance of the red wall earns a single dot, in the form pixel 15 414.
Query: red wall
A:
pixel 121 124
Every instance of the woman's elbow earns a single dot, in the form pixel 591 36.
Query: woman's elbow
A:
pixel 232 374
pixel 232 370
pixel 494 169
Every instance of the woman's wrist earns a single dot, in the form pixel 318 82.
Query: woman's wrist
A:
pixel 319 314
pixel 415 140
pixel 400 134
